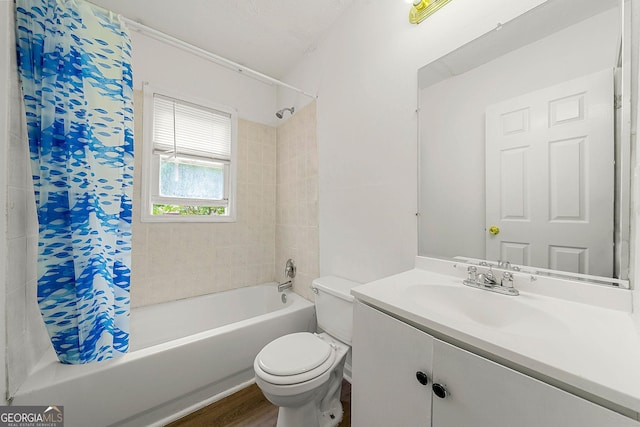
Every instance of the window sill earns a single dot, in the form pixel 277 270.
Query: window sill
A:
pixel 187 218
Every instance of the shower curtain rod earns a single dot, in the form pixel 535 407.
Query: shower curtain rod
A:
pixel 158 35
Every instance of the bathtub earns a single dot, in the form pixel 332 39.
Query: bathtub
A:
pixel 183 355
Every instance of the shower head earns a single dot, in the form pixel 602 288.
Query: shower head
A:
pixel 280 113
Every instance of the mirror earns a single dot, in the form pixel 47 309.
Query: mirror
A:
pixel 524 144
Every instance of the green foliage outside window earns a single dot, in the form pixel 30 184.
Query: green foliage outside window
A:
pixel 188 210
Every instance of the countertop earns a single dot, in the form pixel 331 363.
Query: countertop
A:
pixel 588 349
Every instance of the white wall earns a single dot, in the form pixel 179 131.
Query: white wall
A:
pixel 26 335
pixel 5 16
pixel 168 67
pixel 365 74
pixel 635 191
pixel 453 215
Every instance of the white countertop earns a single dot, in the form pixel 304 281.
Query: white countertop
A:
pixel 591 350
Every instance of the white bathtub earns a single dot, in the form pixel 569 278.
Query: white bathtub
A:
pixel 184 355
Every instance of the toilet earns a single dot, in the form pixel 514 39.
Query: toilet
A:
pixel 302 372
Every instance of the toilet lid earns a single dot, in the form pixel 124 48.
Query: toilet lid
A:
pixel 293 354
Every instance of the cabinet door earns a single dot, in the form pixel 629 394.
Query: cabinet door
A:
pixel 387 354
pixel 485 394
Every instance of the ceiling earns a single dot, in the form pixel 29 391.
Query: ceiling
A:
pixel 270 36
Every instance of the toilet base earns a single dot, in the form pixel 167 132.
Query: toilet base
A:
pixel 324 412
pixel 333 415
pixel 307 415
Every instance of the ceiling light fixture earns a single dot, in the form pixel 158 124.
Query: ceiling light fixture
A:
pixel 421 9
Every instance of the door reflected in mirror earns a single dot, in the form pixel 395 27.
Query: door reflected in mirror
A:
pixel 520 133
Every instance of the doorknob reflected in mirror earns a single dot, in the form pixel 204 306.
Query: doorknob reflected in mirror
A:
pixel 493 230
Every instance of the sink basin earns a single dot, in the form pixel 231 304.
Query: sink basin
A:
pixel 479 306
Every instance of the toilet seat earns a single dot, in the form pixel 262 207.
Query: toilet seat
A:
pixel 294 358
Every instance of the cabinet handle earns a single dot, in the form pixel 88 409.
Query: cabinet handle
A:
pixel 440 391
pixel 422 378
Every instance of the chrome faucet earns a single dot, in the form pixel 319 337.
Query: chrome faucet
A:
pixel 488 278
pixel 487 281
pixel 508 266
pixel 290 272
pixel 507 280
pixel 286 285
pixel 504 264
pixel 290 269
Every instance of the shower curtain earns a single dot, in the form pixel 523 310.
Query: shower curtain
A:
pixel 74 64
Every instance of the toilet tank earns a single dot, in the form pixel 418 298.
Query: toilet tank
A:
pixel 334 306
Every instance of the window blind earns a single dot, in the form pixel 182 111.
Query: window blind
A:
pixel 190 129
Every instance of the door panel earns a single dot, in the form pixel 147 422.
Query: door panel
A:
pixel 485 394
pixel 515 252
pixel 387 354
pixel 550 177
pixel 514 198
pixel 567 180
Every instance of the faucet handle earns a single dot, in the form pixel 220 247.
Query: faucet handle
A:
pixel 472 272
pixel 504 264
pixel 489 275
pixel 507 277
pixel 290 269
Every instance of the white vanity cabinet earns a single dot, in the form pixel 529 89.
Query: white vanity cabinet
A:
pixel 484 393
pixel 463 389
pixel 387 355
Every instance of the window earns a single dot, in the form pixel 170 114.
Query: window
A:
pixel 189 161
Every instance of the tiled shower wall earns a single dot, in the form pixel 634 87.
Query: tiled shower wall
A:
pixel 27 338
pixel 173 261
pixel 297 199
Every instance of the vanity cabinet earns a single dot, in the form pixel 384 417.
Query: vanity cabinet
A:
pixel 387 355
pixel 463 388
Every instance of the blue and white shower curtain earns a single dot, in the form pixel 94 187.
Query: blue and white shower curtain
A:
pixel 74 64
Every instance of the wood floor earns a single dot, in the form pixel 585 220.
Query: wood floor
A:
pixel 249 408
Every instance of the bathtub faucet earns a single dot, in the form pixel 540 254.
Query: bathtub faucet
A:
pixel 286 285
